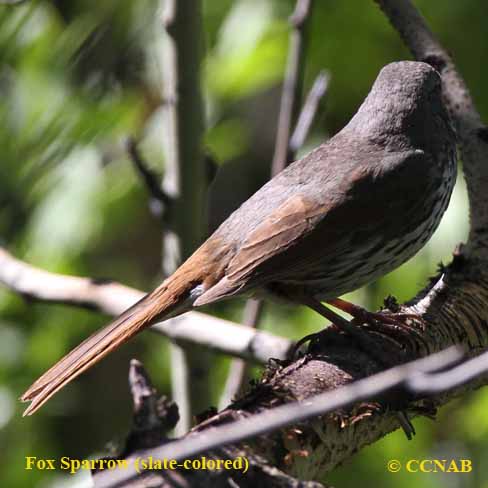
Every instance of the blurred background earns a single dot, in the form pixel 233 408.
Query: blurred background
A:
pixel 78 77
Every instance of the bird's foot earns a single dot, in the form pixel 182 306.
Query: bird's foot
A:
pixel 360 335
pixel 392 324
pixel 365 342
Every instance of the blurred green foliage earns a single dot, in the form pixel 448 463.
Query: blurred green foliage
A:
pixel 75 79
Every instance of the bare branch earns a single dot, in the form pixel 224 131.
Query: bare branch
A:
pixel 33 283
pixel 153 415
pixel 290 99
pixel 309 110
pixel 149 179
pixel 236 377
pixel 113 298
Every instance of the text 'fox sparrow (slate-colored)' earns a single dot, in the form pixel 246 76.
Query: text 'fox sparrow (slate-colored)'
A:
pixel 352 210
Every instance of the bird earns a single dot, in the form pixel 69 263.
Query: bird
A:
pixel 350 211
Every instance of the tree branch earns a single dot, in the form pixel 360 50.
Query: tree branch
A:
pixel 435 374
pixel 149 179
pixel 290 99
pixel 237 375
pixel 309 110
pixel 113 298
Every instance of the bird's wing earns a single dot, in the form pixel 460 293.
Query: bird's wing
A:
pixel 285 241
pixel 290 222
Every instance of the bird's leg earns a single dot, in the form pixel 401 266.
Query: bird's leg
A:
pixel 360 335
pixel 365 316
pixel 394 326
pixel 366 343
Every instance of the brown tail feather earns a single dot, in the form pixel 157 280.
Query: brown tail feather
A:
pixel 171 298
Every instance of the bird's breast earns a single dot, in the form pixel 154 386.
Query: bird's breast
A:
pixel 356 262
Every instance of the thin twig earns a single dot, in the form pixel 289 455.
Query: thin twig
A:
pixel 292 87
pixel 309 111
pixel 237 375
pixel 112 298
pixel 149 178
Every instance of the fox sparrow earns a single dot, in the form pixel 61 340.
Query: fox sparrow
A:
pixel 350 211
